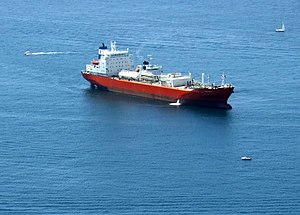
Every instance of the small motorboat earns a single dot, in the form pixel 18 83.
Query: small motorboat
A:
pixel 27 53
pixel 246 158
pixel 177 103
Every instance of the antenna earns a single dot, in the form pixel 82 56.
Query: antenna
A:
pixel 149 57
pixel 113 46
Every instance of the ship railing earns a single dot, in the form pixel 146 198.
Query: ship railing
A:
pixel 200 85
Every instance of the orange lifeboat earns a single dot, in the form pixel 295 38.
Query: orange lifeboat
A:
pixel 95 62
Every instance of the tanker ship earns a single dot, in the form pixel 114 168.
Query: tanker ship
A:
pixel 114 71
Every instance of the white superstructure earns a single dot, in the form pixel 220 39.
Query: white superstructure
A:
pixel 119 64
pixel 110 61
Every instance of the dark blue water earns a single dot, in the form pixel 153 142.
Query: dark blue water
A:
pixel 66 149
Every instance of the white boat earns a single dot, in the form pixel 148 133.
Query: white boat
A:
pixel 177 103
pixel 27 53
pixel 246 158
pixel 282 29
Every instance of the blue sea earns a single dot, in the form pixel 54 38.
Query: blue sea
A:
pixel 68 149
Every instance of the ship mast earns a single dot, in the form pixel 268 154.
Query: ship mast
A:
pixel 113 46
pixel 223 78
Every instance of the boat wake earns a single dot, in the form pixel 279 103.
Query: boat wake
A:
pixel 29 53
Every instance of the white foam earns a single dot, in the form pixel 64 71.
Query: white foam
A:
pixel 28 53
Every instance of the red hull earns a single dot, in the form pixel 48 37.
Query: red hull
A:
pixel 215 97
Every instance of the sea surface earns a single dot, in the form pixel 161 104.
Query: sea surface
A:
pixel 67 149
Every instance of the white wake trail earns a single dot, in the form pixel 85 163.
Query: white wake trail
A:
pixel 29 53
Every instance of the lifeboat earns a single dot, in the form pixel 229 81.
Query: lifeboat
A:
pixel 95 62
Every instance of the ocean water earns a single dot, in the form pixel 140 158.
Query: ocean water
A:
pixel 66 149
